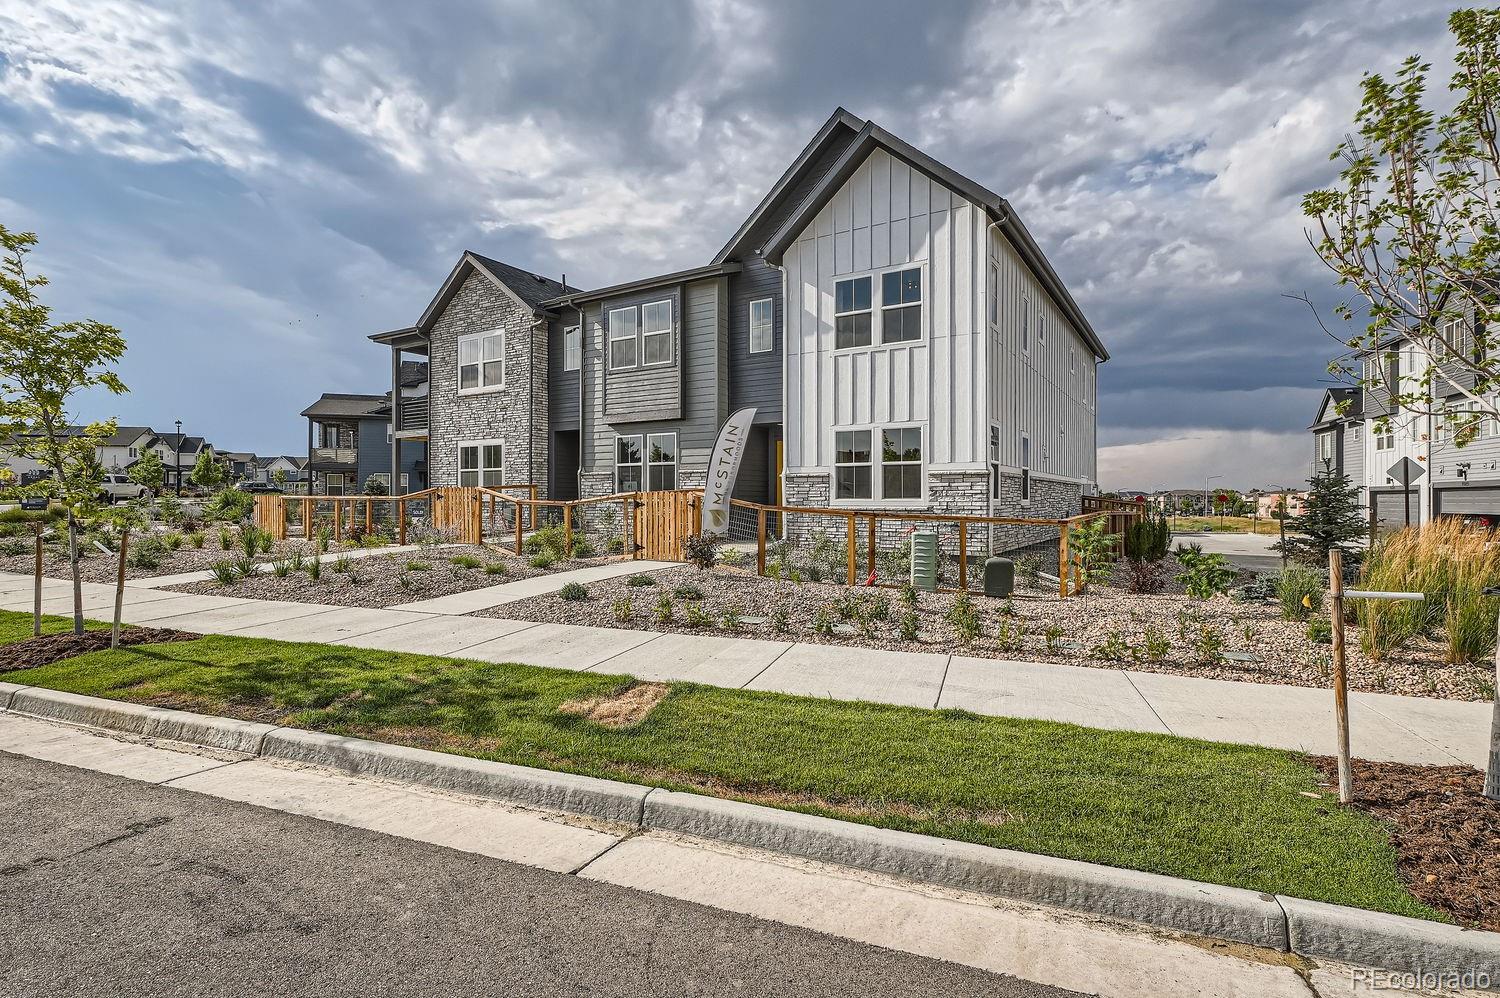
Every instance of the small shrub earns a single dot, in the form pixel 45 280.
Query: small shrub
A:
pixel 1010 635
pixel 172 539
pixel 908 595
pixel 266 541
pixel 573 592
pixel 314 568
pixel 701 550
pixel 245 565
pixel 465 561
pixel 664 609
pixel 341 563
pixel 1208 645
pixel 541 560
pixel 225 572
pixel 1147 537
pixel 877 606
pixel 1053 636
pixel 638 581
pixel 1029 571
pixel 418 566
pixel 780 619
pixel 1113 648
pixel 281 567
pixel 298 559
pixel 496 568
pixel 226 538
pixel 1155 646
pixel 148 552
pixel 583 547
pixel 622 609
pixel 895 563
pixel 822 622
pixel 1203 576
pixel 1295 584
pixel 250 540
pixel 773 571
pixel 963 618
pixel 729 620
pixel 908 626
pixel 1320 630
pixel 696 616
pixel 687 593
pixel 733 557
pixel 1145 577
pixel 196 539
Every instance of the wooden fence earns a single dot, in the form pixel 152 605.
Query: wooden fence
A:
pixel 455 511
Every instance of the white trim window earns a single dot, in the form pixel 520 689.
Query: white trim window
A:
pixel 851 313
pixel 481 361
pixel 333 483
pixel 1357 431
pixel 901 462
pixel 1072 360
pixel 661 462
pixel 1325 449
pixel 481 462
pixel 1025 469
pixel 993 304
pixel 901 305
pixel 853 465
pixel 623 339
pixel 656 333
pixel 383 477
pixel 994 462
pixel 762 325
pixel 629 464
pixel 1386 440
pixel 1041 327
pixel 572 348
pixel 1026 323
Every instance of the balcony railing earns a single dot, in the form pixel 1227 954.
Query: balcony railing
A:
pixel 335 455
pixel 412 414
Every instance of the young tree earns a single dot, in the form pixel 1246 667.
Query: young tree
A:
pixel 207 472
pixel 279 477
pixel 148 471
pixel 1332 518
pixel 1413 228
pixel 43 364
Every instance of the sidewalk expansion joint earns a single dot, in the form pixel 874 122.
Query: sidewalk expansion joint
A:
pixel 209 769
pixel 1149 705
pixel 622 651
pixel 746 684
pixel 947 662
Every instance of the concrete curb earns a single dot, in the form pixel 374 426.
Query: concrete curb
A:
pixel 585 795
pixel 150 722
pixel 1308 928
pixel 1170 902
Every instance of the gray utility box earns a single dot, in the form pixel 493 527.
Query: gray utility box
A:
pixel 999 577
pixel 924 560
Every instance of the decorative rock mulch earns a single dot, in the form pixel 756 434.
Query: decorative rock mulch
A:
pixel 96 566
pixel 1106 628
pixel 1446 832
pixel 35 652
pixel 388 579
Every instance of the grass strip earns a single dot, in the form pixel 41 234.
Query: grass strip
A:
pixel 1228 814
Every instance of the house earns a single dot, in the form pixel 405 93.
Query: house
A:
pixel 179 452
pixel 1360 432
pixel 240 464
pixel 349 441
pixel 292 468
pixel 125 447
pixel 1268 504
pixel 901 336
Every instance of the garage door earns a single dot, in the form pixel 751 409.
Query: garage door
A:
pixel 1479 500
pixel 1390 509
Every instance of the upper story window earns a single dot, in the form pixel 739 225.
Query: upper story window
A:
pixel 1041 327
pixel 1386 440
pixel 656 333
pixel 994 297
pixel 481 361
pixel 1025 322
pixel 901 305
pixel 661 462
pixel 572 348
pixel 1072 360
pixel 762 322
pixel 622 338
pixel 1325 448
pixel 851 313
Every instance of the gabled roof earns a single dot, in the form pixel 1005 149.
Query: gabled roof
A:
pixel 871 137
pixel 1341 395
pixel 840 126
pixel 296 462
pixel 189 445
pixel 127 435
pixel 523 287
pixel 644 284
pixel 532 289
pixel 343 404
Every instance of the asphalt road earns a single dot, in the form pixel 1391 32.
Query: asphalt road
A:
pixel 113 887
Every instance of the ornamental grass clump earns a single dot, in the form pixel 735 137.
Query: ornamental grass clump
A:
pixel 1448 563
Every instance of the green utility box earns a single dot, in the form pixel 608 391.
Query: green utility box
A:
pixel 999 577
pixel 924 560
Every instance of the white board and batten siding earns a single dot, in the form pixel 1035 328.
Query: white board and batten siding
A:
pixel 962 374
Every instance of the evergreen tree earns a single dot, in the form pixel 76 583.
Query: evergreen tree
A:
pixel 1332 519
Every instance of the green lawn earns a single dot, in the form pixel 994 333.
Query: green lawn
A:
pixel 17 626
pixel 1226 814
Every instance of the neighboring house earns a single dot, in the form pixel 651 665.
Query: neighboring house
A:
pixel 241 465
pixel 179 453
pixel 904 341
pixel 293 469
pixel 1267 504
pixel 1456 480
pixel 349 442
pixel 127 445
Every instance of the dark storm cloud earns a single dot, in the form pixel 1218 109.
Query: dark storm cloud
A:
pixel 278 181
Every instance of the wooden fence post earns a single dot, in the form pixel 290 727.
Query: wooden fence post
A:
pixel 401 522
pixel 1062 560
pixel 853 552
pixel 760 542
pixel 567 530
pixel 36 595
pixel 870 551
pixel 963 555
pixel 369 515
pixel 114 631
pixel 1340 679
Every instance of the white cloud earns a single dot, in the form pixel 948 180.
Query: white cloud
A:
pixel 1245 458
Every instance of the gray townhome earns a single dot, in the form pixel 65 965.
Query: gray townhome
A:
pixel 349 440
pixel 904 341
pixel 1361 431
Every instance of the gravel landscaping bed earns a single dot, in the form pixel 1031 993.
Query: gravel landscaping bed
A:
pixel 1445 831
pixel 96 566
pixel 389 579
pixel 1220 638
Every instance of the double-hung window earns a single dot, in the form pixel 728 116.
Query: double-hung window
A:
pixel 661 462
pixel 1025 469
pixel 1385 439
pixel 1325 449
pixel 853 465
pixel 622 338
pixel 628 464
pixel 656 333
pixel 901 305
pixel 851 314
pixel 762 321
pixel 481 462
pixel 901 463
pixel 481 361
pixel 994 461
pixel 572 348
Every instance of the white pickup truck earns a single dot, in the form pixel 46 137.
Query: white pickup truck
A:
pixel 115 487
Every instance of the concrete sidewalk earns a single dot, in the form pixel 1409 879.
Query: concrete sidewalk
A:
pixel 1403 729
pixel 514 592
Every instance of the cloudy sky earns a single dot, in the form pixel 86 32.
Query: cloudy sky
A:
pixel 249 189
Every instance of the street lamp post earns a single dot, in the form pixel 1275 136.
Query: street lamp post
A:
pixel 1207 514
pixel 177 459
pixel 1282 504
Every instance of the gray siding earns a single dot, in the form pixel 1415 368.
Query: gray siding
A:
pixel 645 393
pixel 562 386
pixel 375 456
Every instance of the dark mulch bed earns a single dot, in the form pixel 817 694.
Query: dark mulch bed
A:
pixel 35 652
pixel 1446 832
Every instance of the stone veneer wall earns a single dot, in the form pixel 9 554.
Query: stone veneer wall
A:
pixel 505 415
pixel 1051 499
